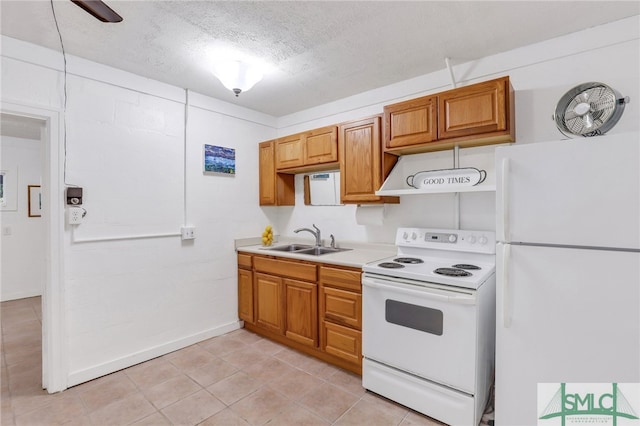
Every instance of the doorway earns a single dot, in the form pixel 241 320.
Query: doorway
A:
pixel 54 373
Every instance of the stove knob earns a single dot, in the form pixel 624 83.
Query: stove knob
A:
pixel 414 236
pixel 405 236
pixel 472 239
pixel 453 238
pixel 483 240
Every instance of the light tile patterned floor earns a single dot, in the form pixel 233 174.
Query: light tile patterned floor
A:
pixel 235 379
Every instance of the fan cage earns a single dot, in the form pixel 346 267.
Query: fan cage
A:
pixel 606 107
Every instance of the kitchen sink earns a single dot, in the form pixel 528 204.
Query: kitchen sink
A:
pixel 305 249
pixel 290 247
pixel 317 251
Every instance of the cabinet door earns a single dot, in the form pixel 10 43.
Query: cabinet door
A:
pixel 269 300
pixel 289 152
pixel 267 173
pixel 410 123
pixel 276 189
pixel 321 146
pixel 343 342
pixel 301 300
pixel 360 152
pixel 474 110
pixel 245 295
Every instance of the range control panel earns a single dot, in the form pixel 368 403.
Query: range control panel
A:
pixel 444 239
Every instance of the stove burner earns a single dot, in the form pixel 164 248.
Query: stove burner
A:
pixel 452 272
pixel 411 260
pixel 390 265
pixel 466 266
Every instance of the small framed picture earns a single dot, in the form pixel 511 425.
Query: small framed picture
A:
pixel 218 159
pixel 35 201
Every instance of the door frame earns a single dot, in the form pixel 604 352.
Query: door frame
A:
pixel 54 354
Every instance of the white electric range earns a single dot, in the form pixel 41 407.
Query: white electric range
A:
pixel 429 323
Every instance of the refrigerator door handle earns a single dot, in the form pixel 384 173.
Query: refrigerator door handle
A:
pixel 506 257
pixel 503 225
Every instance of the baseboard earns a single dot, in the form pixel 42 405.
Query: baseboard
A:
pixel 81 376
pixel 20 295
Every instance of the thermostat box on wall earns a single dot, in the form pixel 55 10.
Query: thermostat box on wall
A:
pixel 74 196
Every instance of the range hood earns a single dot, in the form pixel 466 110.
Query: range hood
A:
pixel 481 158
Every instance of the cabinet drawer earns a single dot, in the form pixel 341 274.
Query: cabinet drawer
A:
pixel 344 307
pixel 285 268
pixel 348 279
pixel 244 261
pixel 342 342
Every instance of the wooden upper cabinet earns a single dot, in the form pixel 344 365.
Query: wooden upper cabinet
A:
pixel 321 146
pixel 477 109
pixel 275 189
pixel 267 172
pixel 411 122
pixel 474 115
pixel 290 151
pixel 361 171
pixel 308 150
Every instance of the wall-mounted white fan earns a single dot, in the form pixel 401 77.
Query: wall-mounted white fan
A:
pixel 589 109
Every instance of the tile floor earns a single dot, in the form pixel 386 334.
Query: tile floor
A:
pixel 235 379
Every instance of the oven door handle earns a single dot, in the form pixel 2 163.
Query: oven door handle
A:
pixel 457 298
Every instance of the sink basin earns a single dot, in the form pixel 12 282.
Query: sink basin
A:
pixel 318 251
pixel 305 249
pixel 290 247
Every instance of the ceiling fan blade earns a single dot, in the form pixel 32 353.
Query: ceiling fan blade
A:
pixel 99 10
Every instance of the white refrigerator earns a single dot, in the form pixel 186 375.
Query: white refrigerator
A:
pixel 567 268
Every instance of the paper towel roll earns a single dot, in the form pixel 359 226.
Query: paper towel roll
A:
pixel 370 215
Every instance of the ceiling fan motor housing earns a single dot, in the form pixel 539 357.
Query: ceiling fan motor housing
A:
pixel 590 109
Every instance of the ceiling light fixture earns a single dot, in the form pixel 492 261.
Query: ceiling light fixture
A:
pixel 237 76
pixel 99 10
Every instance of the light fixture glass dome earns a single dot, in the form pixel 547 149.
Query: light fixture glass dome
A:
pixel 237 76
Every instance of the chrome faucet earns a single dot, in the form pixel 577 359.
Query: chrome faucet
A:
pixel 315 233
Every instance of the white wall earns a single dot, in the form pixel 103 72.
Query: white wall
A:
pixel 540 74
pixel 23 237
pixel 130 299
pixel 132 292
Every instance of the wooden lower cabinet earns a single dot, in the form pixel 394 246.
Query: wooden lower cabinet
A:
pixel 301 300
pixel 307 306
pixel 245 295
pixel 269 300
pixel 343 342
pixel 245 288
pixel 341 313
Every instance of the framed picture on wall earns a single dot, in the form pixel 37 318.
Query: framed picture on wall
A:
pixel 8 190
pixel 35 201
pixel 218 159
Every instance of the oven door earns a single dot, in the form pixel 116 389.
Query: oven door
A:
pixel 426 330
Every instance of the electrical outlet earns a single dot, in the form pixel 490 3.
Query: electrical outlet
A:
pixel 74 215
pixel 188 232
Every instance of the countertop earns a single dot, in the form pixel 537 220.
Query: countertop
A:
pixel 359 254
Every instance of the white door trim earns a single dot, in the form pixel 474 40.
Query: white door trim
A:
pixel 54 339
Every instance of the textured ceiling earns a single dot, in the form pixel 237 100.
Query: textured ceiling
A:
pixel 320 51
